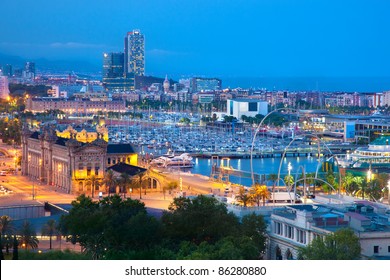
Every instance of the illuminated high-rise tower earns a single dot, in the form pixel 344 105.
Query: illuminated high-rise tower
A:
pixel 4 90
pixel 114 78
pixel 135 53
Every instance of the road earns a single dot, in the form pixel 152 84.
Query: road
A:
pixel 26 190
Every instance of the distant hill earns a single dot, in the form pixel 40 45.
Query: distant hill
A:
pixel 43 64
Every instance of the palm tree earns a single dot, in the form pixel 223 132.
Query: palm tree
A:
pixel 6 226
pixel 138 181
pixel 124 182
pixel 273 178
pixel 289 181
pixel 6 230
pixel 28 236
pixel 359 183
pixel 244 197
pixel 1 249
pixel 15 252
pixel 109 181
pixel 94 182
pixel 331 179
pixel 348 182
pixel 50 229
pixel 170 187
pixel 259 192
pixel 373 189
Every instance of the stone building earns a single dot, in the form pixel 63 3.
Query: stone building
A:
pixel 74 106
pixel 295 226
pixel 84 134
pixel 66 164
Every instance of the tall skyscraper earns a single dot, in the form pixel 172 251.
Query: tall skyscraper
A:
pixel 29 70
pixel 113 65
pixel 7 70
pixel 114 78
pixel 135 53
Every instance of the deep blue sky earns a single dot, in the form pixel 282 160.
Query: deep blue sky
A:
pixel 263 38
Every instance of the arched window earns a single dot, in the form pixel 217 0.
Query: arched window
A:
pixel 289 255
pixel 278 253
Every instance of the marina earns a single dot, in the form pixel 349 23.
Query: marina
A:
pixel 155 139
pixel 196 149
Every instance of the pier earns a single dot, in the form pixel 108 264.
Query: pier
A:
pixel 298 152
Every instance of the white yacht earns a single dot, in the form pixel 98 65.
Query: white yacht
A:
pixel 182 161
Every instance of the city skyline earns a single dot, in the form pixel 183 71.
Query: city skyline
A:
pixel 221 38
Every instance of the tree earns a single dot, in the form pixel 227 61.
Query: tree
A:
pixel 348 182
pixel 6 230
pixel 138 181
pixel 244 197
pixel 50 229
pixel 331 179
pixel 289 181
pixel 95 183
pixel 197 220
pixel 341 245
pixel 109 181
pixel 259 193
pixel 273 178
pixel 124 183
pixel 1 249
pixel 359 185
pixel 111 227
pixel 170 187
pixel 254 227
pixel 230 119
pixel 28 236
pixel 15 251
pixel 374 190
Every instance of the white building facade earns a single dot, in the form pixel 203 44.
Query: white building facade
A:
pixel 295 226
pixel 247 107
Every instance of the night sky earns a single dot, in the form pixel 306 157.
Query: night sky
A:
pixel 255 38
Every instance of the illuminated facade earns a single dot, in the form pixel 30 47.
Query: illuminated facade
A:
pixel 84 134
pixel 113 65
pixel 205 84
pixel 75 106
pixel 134 53
pixel 66 164
pixel 4 91
pixel 114 76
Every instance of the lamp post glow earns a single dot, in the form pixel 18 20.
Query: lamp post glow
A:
pixel 369 174
pixel 289 168
pixel 369 177
pixel 388 192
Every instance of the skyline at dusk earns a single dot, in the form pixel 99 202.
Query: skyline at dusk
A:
pixel 212 38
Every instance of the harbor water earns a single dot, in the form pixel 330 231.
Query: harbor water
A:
pixel 264 166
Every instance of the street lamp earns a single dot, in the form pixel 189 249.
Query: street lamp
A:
pixel 369 177
pixel 369 174
pixel 388 192
pixel 289 168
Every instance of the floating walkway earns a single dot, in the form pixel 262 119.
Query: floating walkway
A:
pixel 301 152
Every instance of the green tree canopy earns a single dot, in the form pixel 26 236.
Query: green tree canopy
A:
pixel 110 227
pixel 341 245
pixel 199 219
